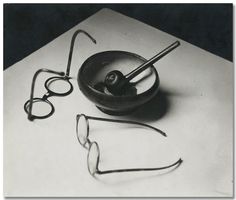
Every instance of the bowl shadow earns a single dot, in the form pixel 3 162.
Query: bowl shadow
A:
pixel 154 109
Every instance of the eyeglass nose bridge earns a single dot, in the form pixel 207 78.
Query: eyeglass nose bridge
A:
pixel 87 144
pixel 46 96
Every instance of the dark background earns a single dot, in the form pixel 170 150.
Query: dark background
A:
pixel 27 27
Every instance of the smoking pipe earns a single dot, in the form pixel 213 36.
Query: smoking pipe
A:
pixel 116 82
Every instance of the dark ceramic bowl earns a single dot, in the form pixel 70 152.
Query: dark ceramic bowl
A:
pixel 94 70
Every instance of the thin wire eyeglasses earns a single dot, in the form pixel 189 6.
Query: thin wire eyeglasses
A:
pixel 93 156
pixel 63 76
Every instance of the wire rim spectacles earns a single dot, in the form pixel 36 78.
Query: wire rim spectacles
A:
pixel 93 156
pixel 65 77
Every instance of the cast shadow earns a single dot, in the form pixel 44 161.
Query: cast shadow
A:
pixel 154 109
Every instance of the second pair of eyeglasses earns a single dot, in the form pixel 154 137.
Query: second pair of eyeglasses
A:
pixel 93 156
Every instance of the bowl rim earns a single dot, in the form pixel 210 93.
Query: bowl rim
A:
pixel 80 78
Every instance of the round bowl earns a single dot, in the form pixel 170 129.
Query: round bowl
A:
pixel 94 70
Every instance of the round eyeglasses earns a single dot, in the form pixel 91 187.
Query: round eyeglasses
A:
pixel 93 156
pixel 33 100
pixel 64 86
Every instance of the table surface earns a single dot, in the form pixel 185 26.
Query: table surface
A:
pixel 194 107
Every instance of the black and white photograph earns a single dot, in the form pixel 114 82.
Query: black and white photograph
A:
pixel 118 100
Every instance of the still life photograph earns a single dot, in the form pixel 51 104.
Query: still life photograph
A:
pixel 117 106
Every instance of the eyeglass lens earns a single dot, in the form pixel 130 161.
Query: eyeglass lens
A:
pixel 82 130
pixel 59 86
pixel 42 108
pixel 93 158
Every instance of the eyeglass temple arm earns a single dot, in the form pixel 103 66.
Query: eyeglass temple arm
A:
pixel 30 117
pixel 177 163
pixel 127 122
pixel 72 47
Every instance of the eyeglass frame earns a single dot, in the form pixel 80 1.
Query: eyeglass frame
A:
pixel 97 171
pixel 65 76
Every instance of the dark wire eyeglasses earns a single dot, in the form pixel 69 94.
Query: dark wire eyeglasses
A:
pixel 93 156
pixel 65 77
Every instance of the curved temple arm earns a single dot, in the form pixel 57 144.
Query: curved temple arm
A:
pixel 126 122
pixel 72 47
pixel 177 163
pixel 30 117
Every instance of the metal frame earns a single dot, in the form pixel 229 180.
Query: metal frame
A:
pixel 29 104
pixel 88 144
pixel 65 76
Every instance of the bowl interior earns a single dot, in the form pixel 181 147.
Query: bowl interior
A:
pixel 97 66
